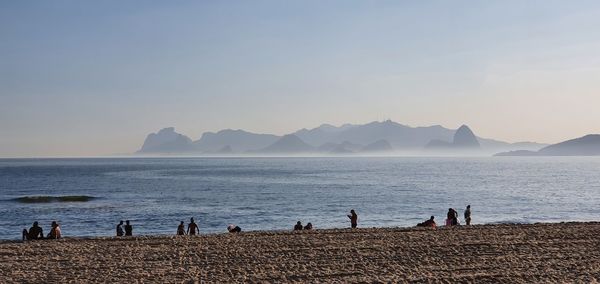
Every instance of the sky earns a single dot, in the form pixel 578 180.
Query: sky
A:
pixel 88 78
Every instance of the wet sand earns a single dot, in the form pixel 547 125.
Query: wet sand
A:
pixel 564 252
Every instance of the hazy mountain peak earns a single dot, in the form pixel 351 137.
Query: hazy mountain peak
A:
pixel 166 140
pixel 465 138
pixel 289 143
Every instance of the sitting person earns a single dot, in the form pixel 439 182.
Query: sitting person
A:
pixel 298 226
pixel 308 226
pixel 428 223
pixel 234 229
pixel 55 231
pixel 34 233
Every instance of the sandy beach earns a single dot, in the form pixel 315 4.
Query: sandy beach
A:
pixel 564 252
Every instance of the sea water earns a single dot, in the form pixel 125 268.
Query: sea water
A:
pixel 155 194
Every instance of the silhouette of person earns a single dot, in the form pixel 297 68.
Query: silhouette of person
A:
pixel 298 226
pixel 452 217
pixel 181 229
pixel 55 232
pixel 34 233
pixel 234 229
pixel 428 223
pixel 468 215
pixel 192 228
pixel 128 229
pixel 120 232
pixel 353 219
pixel 308 226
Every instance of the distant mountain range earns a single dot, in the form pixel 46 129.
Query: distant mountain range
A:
pixel 588 145
pixel 372 138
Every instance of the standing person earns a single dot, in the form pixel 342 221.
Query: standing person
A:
pixel 128 229
pixel 468 215
pixel 120 232
pixel 55 231
pixel 192 228
pixel 353 219
pixel 455 217
pixel 181 229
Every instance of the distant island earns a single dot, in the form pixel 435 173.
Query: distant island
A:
pixel 588 145
pixel 374 138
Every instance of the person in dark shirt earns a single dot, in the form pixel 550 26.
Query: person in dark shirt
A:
pixel 298 226
pixel 128 229
pixel 353 219
pixel 120 232
pixel 428 223
pixel 468 215
pixel 234 229
pixel 193 228
pixel 308 226
pixel 34 233
pixel 181 229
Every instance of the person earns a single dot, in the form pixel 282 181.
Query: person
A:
pixel 308 226
pixel 55 231
pixel 192 228
pixel 120 232
pixel 128 229
pixel 353 219
pixel 181 229
pixel 451 217
pixel 428 223
pixel 468 215
pixel 234 229
pixel 298 226
pixel 34 233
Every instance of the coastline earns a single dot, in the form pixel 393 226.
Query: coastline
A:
pixel 542 252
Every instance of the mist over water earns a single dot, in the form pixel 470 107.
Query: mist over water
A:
pixel 274 193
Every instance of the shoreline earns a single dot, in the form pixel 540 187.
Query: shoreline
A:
pixel 518 253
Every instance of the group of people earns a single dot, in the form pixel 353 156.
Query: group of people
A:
pixel 299 227
pixel 128 229
pixel 353 222
pixel 451 218
pixel 192 228
pixel 37 233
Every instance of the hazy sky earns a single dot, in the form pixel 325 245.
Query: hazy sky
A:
pixel 95 77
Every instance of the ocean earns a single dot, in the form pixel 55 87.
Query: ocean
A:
pixel 88 197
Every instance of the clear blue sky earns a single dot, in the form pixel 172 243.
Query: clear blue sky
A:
pixel 95 77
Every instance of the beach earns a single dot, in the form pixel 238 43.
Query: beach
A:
pixel 561 252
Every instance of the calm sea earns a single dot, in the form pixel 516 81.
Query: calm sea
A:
pixel 274 193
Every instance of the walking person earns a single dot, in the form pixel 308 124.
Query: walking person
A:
pixel 353 219
pixel 193 228
pixel 468 215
